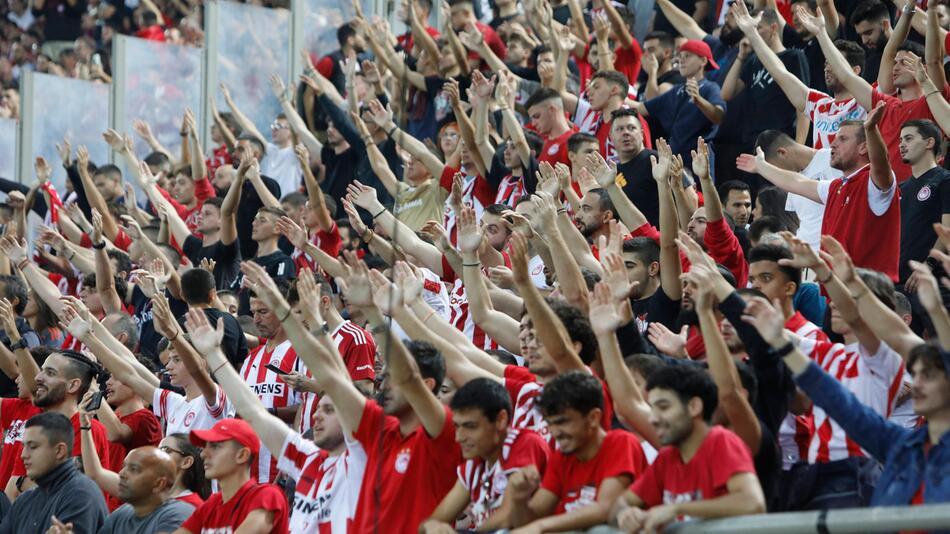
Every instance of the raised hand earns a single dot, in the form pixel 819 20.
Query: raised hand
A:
pixel 8 320
pixel 64 150
pixel 662 161
pixel 749 163
pixel 667 341
pixel 356 287
pixel 545 212
pixel 310 292
pixel 805 256
pixel 292 231
pixel 469 234
pixel 518 252
pixel 204 338
pixel 303 155
pixel 547 178
pixel 380 115
pixel 601 26
pixel 131 226
pixel 693 251
pixel 14 249
pixel 766 319
pixel 483 86
pixel 703 280
pixel 362 195
pixel 70 317
pixel 143 129
pixel 928 292
pixel 408 278
pixel 264 287
pixel 874 116
pixel 96 227
pixel 605 174
pixel 692 89
pixel 355 222
pixel 814 24
pixel 436 233
pixel 701 159
pixel 604 318
pixel 616 277
pixel 836 256
pixel 472 39
pixel 164 320
pixel 114 140
pixel 42 169
pixel 370 72
pixel 386 295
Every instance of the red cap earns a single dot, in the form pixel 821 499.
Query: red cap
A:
pixel 227 429
pixel 701 49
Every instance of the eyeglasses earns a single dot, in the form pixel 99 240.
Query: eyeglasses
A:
pixel 166 449
pixel 278 126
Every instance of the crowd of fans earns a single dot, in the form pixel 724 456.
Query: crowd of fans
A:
pixel 522 271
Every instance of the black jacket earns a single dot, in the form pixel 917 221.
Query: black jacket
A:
pixel 65 493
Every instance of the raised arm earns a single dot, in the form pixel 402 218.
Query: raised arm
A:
pixel 939 107
pixel 569 275
pixel 108 481
pixel 881 173
pixel 794 89
pixel 670 266
pixel 376 159
pixel 96 201
pixel 885 81
pixel 732 396
pixel 272 431
pixel 619 26
pixel 855 84
pixel 320 356
pixel 789 181
pixel 933 51
pixel 230 204
pixel 167 326
pixel 18 254
pixel 685 25
pixel 105 279
pixel 383 117
pixel 297 124
pixel 499 326
pixel 550 330
pixel 246 124
pixel 606 176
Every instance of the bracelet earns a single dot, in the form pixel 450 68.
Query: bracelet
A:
pixel 863 293
pixel 826 280
pixel 177 335
pixel 561 210
pixel 72 254
pixel 471 265
pixel 284 318
pixel 382 211
pixel 22 265
pixel 99 246
pixel 218 368
pixel 391 130
pixel 429 316
pixel 783 350
pixel 367 140
pixel 368 236
pixel 935 91
pixel 85 427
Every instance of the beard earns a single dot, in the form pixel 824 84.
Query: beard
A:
pixel 730 36
pixel 53 396
pixel 686 318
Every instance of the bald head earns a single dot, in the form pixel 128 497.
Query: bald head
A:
pixel 147 475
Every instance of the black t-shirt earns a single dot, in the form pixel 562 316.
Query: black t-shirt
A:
pixel 248 206
pixel 277 264
pixel 234 344
pixel 924 200
pixel 142 317
pixel 227 259
pixel 657 308
pixel 766 106
pixel 635 177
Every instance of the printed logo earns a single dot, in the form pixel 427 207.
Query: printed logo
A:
pixel 189 418
pixel 554 148
pixel 924 193
pixel 402 461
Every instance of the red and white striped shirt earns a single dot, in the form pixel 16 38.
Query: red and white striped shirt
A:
pixel 875 380
pixel 796 431
pixel 329 242
pixel 272 392
pixel 358 350
pixel 486 483
pixel 328 487
pixel 476 194
pixel 180 415
pixel 827 114
pixel 458 307
pixel 510 190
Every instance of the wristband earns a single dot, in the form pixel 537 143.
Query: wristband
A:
pixel 382 211
pixel 783 351
pixel 23 264
pixel 284 318
pixel 368 236
pixel 392 130
pixel 85 427
pixel 177 333
pixel 863 293
pixel 429 316
pixel 928 95
pixel 19 344
pixel 218 368
pixel 367 140
pixel 471 265
pixel 99 246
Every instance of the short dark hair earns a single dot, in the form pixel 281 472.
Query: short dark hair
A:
pixel 687 381
pixel 871 11
pixel 927 130
pixel 645 364
pixel 573 390
pixel 123 262
pixel 254 140
pixel 577 324
pixel 772 140
pixel 295 199
pixel 879 284
pixel 536 142
pixel 774 253
pixel 121 284
pixel 615 78
pixel 214 201
pixel 484 394
pixel 645 248
pixel 344 32
pixel 591 278
pixel 541 95
pixel 858 125
pixel 812 4
pixel 430 361
pixel 604 201
pixel 56 428
pixel 157 159
pixel 930 354
pixel 771 201
pixel 196 286
pixel 81 367
pixel 109 170
pixel 769 15
pixel 665 39
pixel 767 224
pixel 14 288
pixel 579 139
pixel 732 185
pixel 902 304
pixel 624 112
pixel 852 52
pixel 913 47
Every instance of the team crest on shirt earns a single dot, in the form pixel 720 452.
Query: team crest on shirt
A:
pixel 402 461
pixel 189 417
pixel 924 193
pixel 554 148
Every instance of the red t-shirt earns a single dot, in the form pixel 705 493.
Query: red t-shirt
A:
pixel 146 430
pixel 407 475
pixel 219 156
pixel 329 242
pixel 217 517
pixel 896 113
pixel 13 414
pixel 668 480
pixel 576 482
pixel 628 61
pixel 191 498
pixel 555 150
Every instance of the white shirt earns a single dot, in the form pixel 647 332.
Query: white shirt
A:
pixel 281 165
pixel 811 213
pixel 180 415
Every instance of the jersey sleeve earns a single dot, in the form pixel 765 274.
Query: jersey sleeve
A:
pixel 360 360
pixel 371 420
pixel 528 449
pixel 145 428
pixel 648 486
pixel 732 457
pixel 218 409
pixel 880 201
pixel 626 454
pixel 296 453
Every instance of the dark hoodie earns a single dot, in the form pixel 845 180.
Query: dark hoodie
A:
pixel 65 493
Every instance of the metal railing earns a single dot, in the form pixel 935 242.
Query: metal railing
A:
pixel 930 517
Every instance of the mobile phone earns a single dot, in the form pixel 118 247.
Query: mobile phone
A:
pixel 95 401
pixel 97 60
pixel 276 369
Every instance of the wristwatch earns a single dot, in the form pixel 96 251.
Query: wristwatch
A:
pixel 18 345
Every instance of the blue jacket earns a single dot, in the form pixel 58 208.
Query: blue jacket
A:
pixel 900 449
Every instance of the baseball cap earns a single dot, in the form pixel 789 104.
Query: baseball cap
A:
pixel 227 429
pixel 701 49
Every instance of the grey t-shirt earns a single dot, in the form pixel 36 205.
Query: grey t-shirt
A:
pixel 166 518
